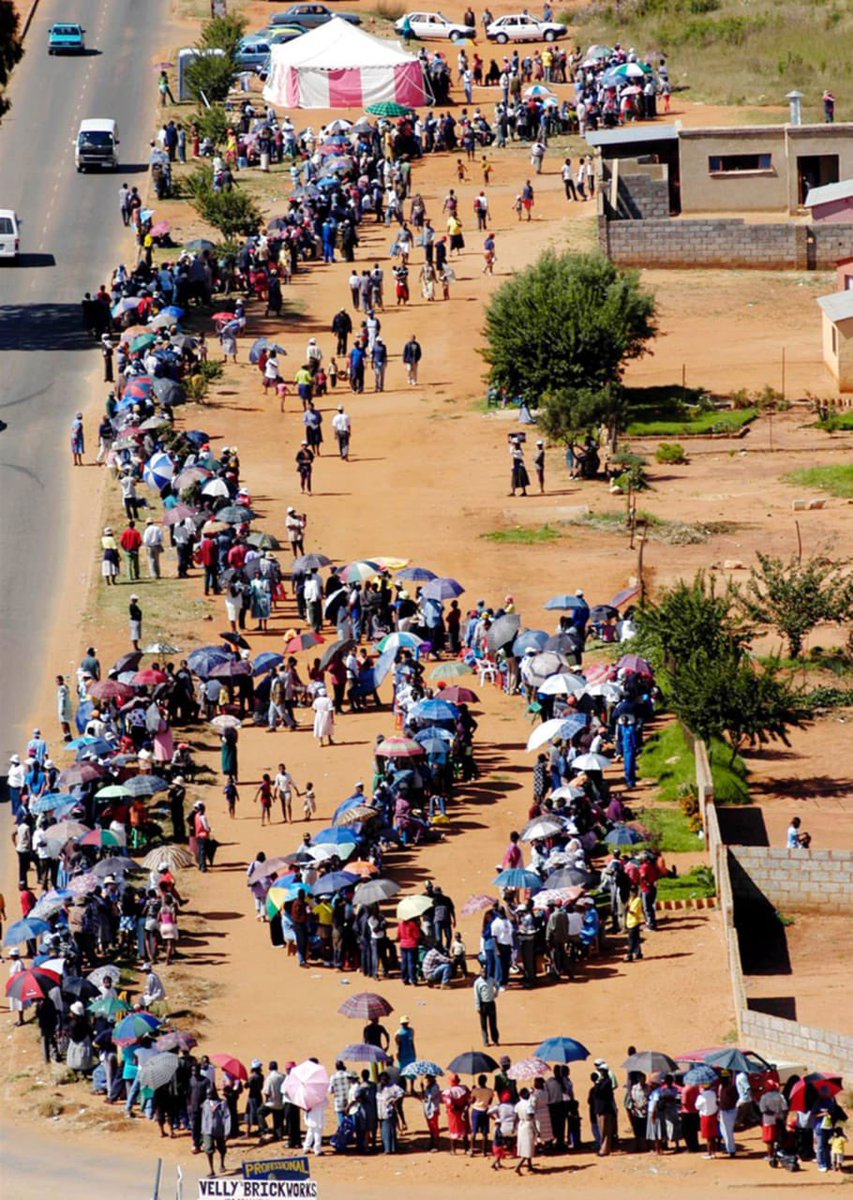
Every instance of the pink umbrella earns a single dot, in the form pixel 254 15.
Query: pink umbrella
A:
pixel 600 673
pixel 160 228
pixel 529 1068
pixel 307 1085
pixel 478 904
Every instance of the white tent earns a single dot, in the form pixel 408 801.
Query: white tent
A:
pixel 338 65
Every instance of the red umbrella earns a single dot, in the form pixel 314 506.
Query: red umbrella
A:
pixel 160 228
pixel 636 665
pixel 303 641
pixel 149 677
pixel 399 747
pixel 32 984
pixel 111 689
pixel 365 1005
pixel 599 673
pixel 624 596
pixel 458 695
pixel 223 316
pixel 813 1087
pixel 230 1064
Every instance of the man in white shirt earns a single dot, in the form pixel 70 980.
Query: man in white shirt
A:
pixel 295 525
pixel 485 1002
pixel 152 540
pixel 313 595
pixel 501 930
pixel 15 777
pixel 342 426
pixel 154 989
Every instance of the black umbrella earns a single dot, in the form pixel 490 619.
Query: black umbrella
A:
pixel 502 631
pixel 81 989
pixel 569 877
pixel 127 662
pixel 234 514
pixel 562 643
pixel 310 562
pixel 145 785
pixel 231 670
pixel 603 612
pixel 334 602
pixel 118 862
pixel 473 1062
pixel 169 391
pixel 336 649
pixel 235 639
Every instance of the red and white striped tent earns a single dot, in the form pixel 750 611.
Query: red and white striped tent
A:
pixel 338 65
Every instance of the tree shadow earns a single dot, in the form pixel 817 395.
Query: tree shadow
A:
pixel 43 326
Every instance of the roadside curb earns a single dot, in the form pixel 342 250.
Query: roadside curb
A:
pixel 700 902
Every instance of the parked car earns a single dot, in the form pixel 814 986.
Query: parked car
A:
pixel 761 1071
pixel 66 38
pixel 279 34
pixel 252 52
pixel 309 16
pixel 521 28
pixel 425 26
pixel 10 230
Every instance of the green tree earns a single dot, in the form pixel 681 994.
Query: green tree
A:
pixel 213 122
pixel 795 596
pixel 565 327
pixel 223 33
pixel 11 48
pixel 568 415
pixel 233 213
pixel 209 77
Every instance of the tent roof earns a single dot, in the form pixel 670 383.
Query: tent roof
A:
pixel 338 44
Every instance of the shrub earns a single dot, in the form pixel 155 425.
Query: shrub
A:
pixel 223 33
pixel 213 123
pixel 634 479
pixel 209 76
pixel 670 452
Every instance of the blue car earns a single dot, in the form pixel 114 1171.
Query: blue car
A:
pixel 66 38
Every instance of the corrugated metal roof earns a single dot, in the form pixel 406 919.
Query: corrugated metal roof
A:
pixel 838 306
pixel 829 193
pixel 629 136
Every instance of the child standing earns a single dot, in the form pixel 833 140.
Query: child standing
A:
pixel 837 1146
pixel 461 170
pixel 231 797
pixel 309 801
pixel 264 794
pixel 333 373
pixel 487 170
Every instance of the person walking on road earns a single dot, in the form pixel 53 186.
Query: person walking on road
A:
pixel 412 354
pixel 165 90
pixel 342 426
pixel 485 1002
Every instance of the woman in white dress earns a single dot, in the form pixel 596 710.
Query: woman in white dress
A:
pixel 324 717
pixel 525 1111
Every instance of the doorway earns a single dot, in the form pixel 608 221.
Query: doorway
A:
pixel 815 170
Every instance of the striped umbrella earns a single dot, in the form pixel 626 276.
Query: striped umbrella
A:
pixel 176 857
pixel 158 1070
pixel 399 747
pixel 358 572
pixel 32 984
pixel 365 1006
pixel 109 1006
pixel 363 1052
pixel 134 1026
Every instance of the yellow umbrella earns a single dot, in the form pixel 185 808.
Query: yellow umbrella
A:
pixel 412 907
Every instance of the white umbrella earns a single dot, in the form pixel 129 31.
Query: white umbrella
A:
pixel 545 733
pixel 611 692
pixel 542 827
pixel 158 1070
pixel 563 685
pixel 375 891
pixel 215 487
pixel 101 973
pixel 591 762
pixel 568 793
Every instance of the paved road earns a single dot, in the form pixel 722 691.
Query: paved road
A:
pixel 71 239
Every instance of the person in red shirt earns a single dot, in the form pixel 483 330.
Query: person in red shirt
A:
pixel 649 875
pixel 299 921
pixel 207 556
pixel 512 858
pixel 237 555
pixel 130 541
pixel 409 938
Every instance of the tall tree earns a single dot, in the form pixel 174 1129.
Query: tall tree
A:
pixel 795 596
pixel 11 48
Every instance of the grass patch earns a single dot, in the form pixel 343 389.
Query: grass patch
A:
pixel 707 422
pixel 697 884
pixel 672 533
pixel 523 536
pixel 667 758
pixel 670 829
pixel 836 421
pixel 838 480
pixel 672 411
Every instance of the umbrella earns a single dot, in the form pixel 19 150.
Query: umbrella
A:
pixel 263 541
pixel 591 762
pixel 477 904
pixel 623 835
pixel 434 745
pixel 546 732
pixel 650 1062
pixel 421 1066
pixel 225 721
pixel 356 814
pixel 64 831
pixel 333 603
pixel 49 803
pixel 561 1050
pixel 529 639
pixel 365 1005
pixel 134 1026
pixel 263 870
pixel 357 572
pixel 362 868
pixel 215 487
pixel 185 479
pixel 268 661
pixel 32 984
pixel 442 589
pixel 26 930
pixel 517 877
pixel 550 896
pixel 400 641
pixel 633 664
pixel 629 70
pixel 231 670
pixel 146 785
pixel 729 1060
pixel 334 837
pixel 111 866
pixel 610 692
pixel 80 773
pixel 813 1087
pixel 701 1074
pixel 158 1070
pixel 259 345
pixel 364 1052
pixel 158 471
pixel 303 641
pixel 528 1068
pixel 568 877
pixel 624 596
pixel 310 562
pixel 109 1006
pixel 307 1085
pixel 458 695
pixel 472 1062
pixel 572 725
pixel 503 631
pixel 143 342
pixel 450 670
pixel 203 660
pixel 235 514
pixel 111 689
pixel 375 891
pixel 537 92
pixel 149 678
pixel 230 1064
pixel 563 643
pixel 176 857
pixel 177 1039
pixel 547 663
pixel 127 662
pixel 161 648
pixel 566 601
pixel 434 710
pixel 542 827
pixel 81 884
pixel 335 881
pixel 417 574
pixel 603 612
pixel 398 747
pixel 50 903
pixel 388 108
pixel 81 989
pixel 99 838
pixel 412 907
pixel 565 684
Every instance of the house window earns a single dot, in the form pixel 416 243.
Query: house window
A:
pixel 733 164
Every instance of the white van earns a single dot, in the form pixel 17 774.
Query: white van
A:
pixel 10 229
pixel 96 144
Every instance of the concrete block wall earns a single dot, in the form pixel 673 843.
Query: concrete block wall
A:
pixel 831 242
pixel 782 1040
pixel 800 879
pixel 725 243
pixel 644 197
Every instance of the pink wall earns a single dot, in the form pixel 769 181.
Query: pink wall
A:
pixel 835 210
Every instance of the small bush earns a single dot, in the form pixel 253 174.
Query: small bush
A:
pixel 670 452
pixel 213 123
pixel 211 75
pixel 210 371
pixel 50 1108
pixel 634 478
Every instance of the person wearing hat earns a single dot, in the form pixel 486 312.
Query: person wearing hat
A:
pixel 404 1041
pixel 109 556
pixel 130 542
pixel 255 1099
pixel 152 540
pixel 295 525
pixel 15 776
pixel 78 444
pixel 305 466
pixel 134 613
pixel 342 426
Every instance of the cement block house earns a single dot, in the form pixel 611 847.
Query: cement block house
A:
pixel 837 311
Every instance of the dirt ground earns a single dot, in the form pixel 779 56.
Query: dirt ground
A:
pixel 426 481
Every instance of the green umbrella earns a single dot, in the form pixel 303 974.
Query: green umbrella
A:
pixel 388 108
pixel 108 1006
pixel 264 541
pixel 142 342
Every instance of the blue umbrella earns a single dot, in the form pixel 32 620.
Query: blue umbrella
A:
pixel 435 710
pixel 421 1066
pixel 84 714
pixel 434 732
pixel 442 589
pixel 517 877
pixel 203 661
pixel 25 931
pixel 158 471
pixel 562 1050
pixel 125 305
pixel 346 805
pixel 566 602
pixel 197 436
pixel 729 1060
pixel 417 575
pixel 98 746
pixel 49 803
pixel 382 666
pixel 435 747
pixel 172 311
pixel 134 1026
pixel 328 182
pixel 261 344
pixel 268 661
pixel 334 837
pixel 701 1074
pixel 335 881
pixel 81 742
pixel 572 725
pixel 623 835
pixel 529 639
